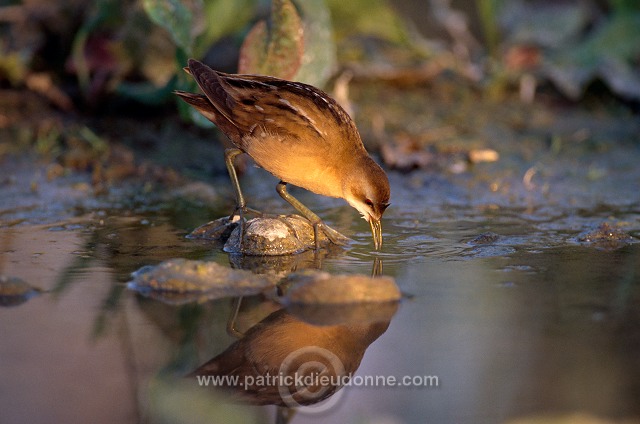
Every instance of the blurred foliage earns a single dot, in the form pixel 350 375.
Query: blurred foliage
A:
pixel 573 44
pixel 12 67
pixel 279 52
pixel 175 18
pixel 277 49
pixel 319 61
pixel 77 52
pixel 610 52
pixel 298 45
pixel 368 18
pixel 488 14
pixel 222 17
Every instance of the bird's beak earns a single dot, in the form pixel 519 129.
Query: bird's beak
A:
pixel 376 231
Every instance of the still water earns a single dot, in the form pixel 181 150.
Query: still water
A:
pixel 507 313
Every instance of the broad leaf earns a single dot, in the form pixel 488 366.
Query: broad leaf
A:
pixel 174 17
pixel 284 44
pixel 319 58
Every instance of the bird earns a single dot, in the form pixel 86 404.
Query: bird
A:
pixel 299 134
pixel 271 353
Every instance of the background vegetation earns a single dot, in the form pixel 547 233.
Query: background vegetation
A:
pixel 65 65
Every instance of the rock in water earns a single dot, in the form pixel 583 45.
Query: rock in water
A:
pixel 283 235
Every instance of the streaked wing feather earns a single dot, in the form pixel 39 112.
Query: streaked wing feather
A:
pixel 214 88
pixel 256 104
pixel 209 111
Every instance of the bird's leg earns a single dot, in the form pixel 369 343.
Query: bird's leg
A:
pixel 377 267
pixel 315 220
pixel 241 206
pixel 231 323
pixel 229 156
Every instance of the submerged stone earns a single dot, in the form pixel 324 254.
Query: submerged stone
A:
pixel 182 281
pixel 14 291
pixel 485 238
pixel 606 237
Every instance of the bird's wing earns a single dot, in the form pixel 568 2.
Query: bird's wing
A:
pixel 247 106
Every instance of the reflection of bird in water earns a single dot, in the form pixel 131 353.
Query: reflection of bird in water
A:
pixel 282 346
pixel 299 134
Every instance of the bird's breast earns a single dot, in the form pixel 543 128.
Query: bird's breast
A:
pixel 314 166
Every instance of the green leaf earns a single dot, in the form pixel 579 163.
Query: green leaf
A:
pixel 625 6
pixel 319 58
pixel 618 37
pixel 284 44
pixel 550 27
pixel 223 17
pixel 173 16
pixel 373 18
pixel 608 53
pixel 253 53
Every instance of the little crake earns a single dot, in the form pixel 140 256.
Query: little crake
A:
pixel 299 134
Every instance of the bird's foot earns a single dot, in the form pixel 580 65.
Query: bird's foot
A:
pixel 334 236
pixel 240 211
pixel 238 216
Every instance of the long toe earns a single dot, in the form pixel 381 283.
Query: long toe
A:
pixel 334 236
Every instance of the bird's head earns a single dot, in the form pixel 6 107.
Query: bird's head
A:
pixel 367 190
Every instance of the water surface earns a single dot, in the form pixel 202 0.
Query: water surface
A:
pixel 504 304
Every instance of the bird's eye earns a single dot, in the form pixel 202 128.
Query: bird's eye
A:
pixel 369 203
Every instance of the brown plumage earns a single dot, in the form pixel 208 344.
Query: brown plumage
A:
pixel 282 345
pixel 299 134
